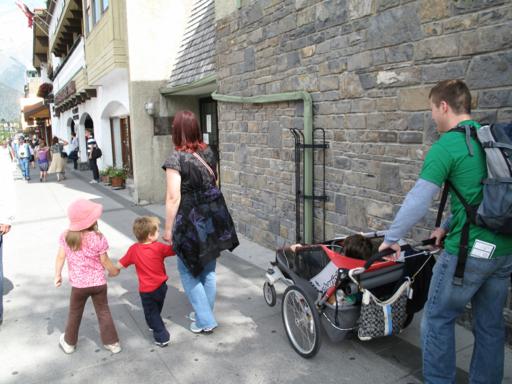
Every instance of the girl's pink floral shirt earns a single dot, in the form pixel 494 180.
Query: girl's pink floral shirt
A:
pixel 84 266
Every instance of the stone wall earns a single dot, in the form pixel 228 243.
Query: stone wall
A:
pixel 369 65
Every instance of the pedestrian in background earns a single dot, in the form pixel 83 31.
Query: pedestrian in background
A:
pixel 85 250
pixel 92 150
pixel 148 256
pixel 42 156
pixel 73 150
pixel 24 153
pixel 7 210
pixel 198 224
pixel 58 164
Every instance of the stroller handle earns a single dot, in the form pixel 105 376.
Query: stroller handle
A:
pixel 390 251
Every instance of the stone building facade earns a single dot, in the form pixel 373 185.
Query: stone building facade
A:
pixel 368 65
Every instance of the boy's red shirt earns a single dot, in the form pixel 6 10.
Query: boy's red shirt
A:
pixel 149 263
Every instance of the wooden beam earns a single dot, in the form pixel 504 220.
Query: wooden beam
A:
pixel 91 92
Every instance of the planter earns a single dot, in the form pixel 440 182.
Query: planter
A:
pixel 117 182
pixel 105 179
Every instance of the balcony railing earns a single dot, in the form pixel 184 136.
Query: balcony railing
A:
pixel 71 65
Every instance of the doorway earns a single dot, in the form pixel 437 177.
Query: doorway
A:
pixel 209 127
pixel 121 143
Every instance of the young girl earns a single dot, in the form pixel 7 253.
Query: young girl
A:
pixel 85 249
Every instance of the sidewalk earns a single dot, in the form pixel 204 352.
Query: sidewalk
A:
pixel 250 345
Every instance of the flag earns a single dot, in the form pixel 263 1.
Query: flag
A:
pixel 27 12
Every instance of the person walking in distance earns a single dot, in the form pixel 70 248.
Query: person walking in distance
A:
pixel 458 158
pixel 92 146
pixel 73 150
pixel 24 152
pixel 7 211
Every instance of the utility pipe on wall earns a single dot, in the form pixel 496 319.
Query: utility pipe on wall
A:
pixel 308 139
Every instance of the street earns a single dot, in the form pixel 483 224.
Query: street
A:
pixel 249 346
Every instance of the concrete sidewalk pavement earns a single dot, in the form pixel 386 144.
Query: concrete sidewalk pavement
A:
pixel 250 345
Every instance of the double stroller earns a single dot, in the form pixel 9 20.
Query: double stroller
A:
pixel 326 289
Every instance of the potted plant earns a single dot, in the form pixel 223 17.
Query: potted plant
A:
pixel 117 177
pixel 105 175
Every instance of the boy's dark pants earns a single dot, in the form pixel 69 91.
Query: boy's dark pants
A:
pixel 77 302
pixel 153 302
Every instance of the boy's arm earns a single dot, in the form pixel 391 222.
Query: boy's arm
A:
pixel 119 266
pixel 108 265
pixel 59 263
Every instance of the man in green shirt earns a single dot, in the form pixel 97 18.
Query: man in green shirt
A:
pixel 486 278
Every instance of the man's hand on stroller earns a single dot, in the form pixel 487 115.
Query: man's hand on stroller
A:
pixel 393 246
pixel 438 234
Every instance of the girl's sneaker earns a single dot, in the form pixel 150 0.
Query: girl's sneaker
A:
pixel 195 329
pixel 114 348
pixel 65 346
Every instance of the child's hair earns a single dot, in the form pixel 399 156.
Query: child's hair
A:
pixel 74 238
pixel 357 247
pixel 145 226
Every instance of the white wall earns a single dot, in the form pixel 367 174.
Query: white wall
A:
pixel 155 30
pixel 111 101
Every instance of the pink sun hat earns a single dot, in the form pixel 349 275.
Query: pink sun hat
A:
pixel 83 214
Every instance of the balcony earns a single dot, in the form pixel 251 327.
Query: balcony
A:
pixel 71 66
pixel 65 26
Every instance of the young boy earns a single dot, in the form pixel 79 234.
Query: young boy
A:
pixel 148 257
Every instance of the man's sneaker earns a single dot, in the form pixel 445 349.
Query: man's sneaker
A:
pixel 114 348
pixel 195 329
pixel 162 344
pixel 93 182
pixel 65 346
pixel 192 316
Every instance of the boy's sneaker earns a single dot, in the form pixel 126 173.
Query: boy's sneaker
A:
pixel 65 346
pixel 195 329
pixel 162 344
pixel 114 348
pixel 192 316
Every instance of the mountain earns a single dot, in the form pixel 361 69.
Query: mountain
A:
pixel 9 103
pixel 12 72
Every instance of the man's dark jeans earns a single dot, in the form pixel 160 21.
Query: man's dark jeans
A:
pixel 153 302
pixel 94 168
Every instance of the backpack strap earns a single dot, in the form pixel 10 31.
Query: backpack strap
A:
pixel 464 236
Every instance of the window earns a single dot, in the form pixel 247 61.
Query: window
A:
pixel 97 11
pixel 94 10
pixel 88 15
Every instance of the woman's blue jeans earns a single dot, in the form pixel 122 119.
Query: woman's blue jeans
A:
pixel 201 292
pixel 485 285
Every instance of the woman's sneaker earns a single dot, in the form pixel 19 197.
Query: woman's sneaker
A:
pixel 195 329
pixel 65 346
pixel 114 348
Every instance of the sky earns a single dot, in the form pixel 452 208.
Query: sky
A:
pixel 15 36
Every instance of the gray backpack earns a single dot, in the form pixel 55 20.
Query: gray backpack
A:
pixel 495 210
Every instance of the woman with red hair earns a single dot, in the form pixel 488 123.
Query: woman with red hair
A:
pixel 198 223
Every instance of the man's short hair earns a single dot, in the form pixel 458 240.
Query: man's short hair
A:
pixel 455 93
pixel 145 226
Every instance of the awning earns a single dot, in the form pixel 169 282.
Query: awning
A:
pixel 36 111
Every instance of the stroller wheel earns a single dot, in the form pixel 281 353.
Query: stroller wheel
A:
pixel 301 322
pixel 269 294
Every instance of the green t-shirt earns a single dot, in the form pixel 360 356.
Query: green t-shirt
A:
pixel 449 159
